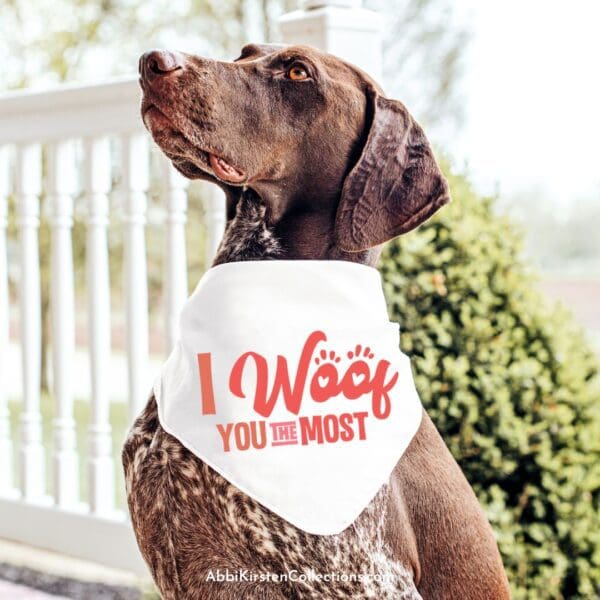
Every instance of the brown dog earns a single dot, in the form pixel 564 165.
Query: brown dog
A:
pixel 316 164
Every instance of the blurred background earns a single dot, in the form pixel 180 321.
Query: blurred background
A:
pixel 507 91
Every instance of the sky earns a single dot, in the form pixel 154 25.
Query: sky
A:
pixel 532 88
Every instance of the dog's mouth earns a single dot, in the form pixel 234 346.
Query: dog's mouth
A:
pixel 223 170
pixel 187 156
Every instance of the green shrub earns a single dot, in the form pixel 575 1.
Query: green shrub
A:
pixel 513 387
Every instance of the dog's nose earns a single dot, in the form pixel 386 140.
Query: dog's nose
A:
pixel 158 63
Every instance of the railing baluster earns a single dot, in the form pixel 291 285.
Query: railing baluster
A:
pixel 6 455
pixel 97 184
pixel 176 284
pixel 28 188
pixel 135 176
pixel 61 187
pixel 214 218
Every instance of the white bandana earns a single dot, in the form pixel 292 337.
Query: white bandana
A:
pixel 288 381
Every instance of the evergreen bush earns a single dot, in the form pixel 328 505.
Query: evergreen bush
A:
pixel 513 387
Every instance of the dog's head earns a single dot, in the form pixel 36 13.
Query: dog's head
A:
pixel 308 132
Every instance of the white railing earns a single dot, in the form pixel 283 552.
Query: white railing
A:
pixel 60 149
pixel 61 146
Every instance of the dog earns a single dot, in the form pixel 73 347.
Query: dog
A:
pixel 315 163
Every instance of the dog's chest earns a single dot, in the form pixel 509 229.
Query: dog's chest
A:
pixel 354 564
pixel 214 529
pixel 219 529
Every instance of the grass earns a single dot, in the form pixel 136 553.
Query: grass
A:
pixel 119 420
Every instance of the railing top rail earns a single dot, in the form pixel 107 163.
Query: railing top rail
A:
pixel 70 111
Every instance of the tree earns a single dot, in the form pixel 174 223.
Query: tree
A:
pixel 424 49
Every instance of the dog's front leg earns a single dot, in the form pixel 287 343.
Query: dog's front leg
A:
pixel 177 508
pixel 457 553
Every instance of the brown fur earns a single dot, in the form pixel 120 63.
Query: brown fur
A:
pixel 331 170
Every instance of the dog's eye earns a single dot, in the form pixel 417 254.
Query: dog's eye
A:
pixel 297 72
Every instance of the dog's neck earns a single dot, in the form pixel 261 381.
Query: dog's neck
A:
pixel 247 235
pixel 297 235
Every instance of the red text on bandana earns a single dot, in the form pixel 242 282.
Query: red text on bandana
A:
pixel 353 377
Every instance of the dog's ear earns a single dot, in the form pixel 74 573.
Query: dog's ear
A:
pixel 252 51
pixel 396 183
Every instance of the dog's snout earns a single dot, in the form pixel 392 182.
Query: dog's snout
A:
pixel 159 63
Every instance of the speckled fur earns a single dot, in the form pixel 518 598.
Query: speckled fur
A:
pixel 330 170
pixel 247 236
pixel 189 520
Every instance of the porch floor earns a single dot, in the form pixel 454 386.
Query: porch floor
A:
pixel 32 573
pixel 12 591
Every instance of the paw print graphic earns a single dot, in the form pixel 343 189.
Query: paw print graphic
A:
pixel 324 356
pixel 360 352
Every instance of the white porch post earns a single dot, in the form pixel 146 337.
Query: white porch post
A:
pixel 28 188
pixel 97 185
pixel 6 455
pixel 135 176
pixel 176 283
pixel 214 218
pixel 61 187
pixel 341 27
